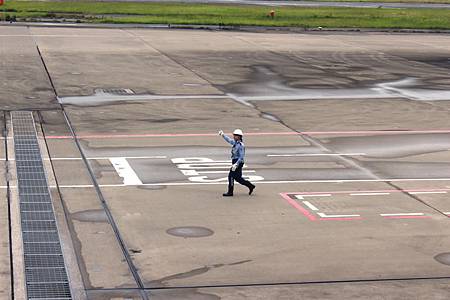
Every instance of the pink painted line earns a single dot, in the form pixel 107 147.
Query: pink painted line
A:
pixel 367 191
pixel 340 219
pixel 298 207
pixel 378 132
pixel 382 132
pixel 406 217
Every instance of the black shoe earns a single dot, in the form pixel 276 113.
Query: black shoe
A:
pixel 227 195
pixel 250 189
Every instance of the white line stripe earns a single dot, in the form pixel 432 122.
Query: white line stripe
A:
pixel 447 213
pixel 336 216
pixel 368 194
pixel 223 172
pixel 317 195
pixel 105 157
pixel 125 171
pixel 312 207
pixel 78 186
pixel 315 154
pixel 402 214
pixel 272 182
pixel 436 192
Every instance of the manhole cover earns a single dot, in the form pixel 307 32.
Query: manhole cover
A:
pixel 443 258
pixel 190 231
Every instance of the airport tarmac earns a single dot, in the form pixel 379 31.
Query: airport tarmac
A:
pixel 347 137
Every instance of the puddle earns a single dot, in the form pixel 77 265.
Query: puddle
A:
pixel 152 187
pixel 94 215
pixel 190 231
pixel 269 117
pixel 267 85
pixel 443 258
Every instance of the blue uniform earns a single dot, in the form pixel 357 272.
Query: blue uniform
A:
pixel 237 151
pixel 237 158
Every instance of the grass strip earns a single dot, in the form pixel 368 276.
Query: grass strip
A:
pixel 231 15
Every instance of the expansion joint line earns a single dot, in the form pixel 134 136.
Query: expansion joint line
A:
pixel 170 57
pixel 105 206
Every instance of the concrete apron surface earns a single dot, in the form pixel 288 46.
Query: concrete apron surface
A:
pixel 347 140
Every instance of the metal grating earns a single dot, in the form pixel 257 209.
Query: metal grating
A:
pixel 45 271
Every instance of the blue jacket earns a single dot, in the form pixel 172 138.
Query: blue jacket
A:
pixel 237 151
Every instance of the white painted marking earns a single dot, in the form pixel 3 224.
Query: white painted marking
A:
pixel 317 195
pixel 78 185
pixel 191 172
pixel 199 166
pixel 447 213
pixel 205 179
pixel 401 214
pixel 106 157
pixel 315 154
pixel 312 207
pixel 299 197
pixel 276 182
pixel 336 216
pixel 431 192
pixel 369 194
pixel 102 98
pixel 125 171
pixel 220 172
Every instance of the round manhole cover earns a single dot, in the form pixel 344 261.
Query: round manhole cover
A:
pixel 190 231
pixel 443 258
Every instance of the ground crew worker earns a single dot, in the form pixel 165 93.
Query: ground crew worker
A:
pixel 237 159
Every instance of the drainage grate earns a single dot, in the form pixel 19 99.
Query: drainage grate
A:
pixel 45 272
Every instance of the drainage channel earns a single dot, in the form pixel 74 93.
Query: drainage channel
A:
pixel 45 270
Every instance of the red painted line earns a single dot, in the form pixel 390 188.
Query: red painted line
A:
pixel 298 207
pixel 367 191
pixel 340 219
pixel 406 217
pixel 113 136
pixel 382 132
pixel 378 132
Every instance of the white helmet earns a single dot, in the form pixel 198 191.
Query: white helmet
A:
pixel 238 132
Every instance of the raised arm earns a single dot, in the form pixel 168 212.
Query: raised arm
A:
pixel 226 138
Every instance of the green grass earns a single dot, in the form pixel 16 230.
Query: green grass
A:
pixel 208 14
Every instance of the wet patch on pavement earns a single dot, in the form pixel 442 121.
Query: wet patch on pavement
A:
pixel 185 294
pixel 190 231
pixel 94 215
pixel 443 258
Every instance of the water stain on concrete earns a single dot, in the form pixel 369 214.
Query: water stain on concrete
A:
pixel 93 215
pixel 269 117
pixel 114 294
pixel 151 187
pixel 190 231
pixel 191 273
pixel 443 258
pixel 391 145
pixel 182 294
